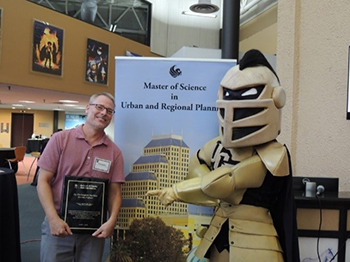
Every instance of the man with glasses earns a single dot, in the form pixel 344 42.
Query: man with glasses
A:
pixel 84 151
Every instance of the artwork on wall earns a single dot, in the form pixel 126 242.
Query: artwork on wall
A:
pixel 96 62
pixel 47 48
pixel 74 120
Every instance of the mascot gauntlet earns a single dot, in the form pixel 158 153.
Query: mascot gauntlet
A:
pixel 168 195
pixel 188 191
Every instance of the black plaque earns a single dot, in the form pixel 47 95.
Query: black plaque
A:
pixel 84 203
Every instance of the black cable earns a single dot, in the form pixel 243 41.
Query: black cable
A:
pixel 341 247
pixel 319 229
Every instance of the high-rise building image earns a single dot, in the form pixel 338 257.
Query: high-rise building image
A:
pixel 164 162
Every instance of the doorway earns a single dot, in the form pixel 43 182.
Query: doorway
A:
pixel 21 128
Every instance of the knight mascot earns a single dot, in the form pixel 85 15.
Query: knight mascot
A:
pixel 244 173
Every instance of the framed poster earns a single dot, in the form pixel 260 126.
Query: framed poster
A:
pixel 96 62
pixel 47 49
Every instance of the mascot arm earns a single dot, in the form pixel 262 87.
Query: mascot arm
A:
pixel 188 191
pixel 223 181
pixel 220 183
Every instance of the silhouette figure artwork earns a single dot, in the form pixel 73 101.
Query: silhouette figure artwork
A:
pixel 47 52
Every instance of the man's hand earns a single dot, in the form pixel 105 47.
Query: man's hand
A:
pixel 166 195
pixel 59 228
pixel 105 230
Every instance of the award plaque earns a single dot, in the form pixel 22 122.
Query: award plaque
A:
pixel 84 203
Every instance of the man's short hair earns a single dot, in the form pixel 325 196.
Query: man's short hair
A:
pixel 94 96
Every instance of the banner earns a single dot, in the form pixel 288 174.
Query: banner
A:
pixel 165 112
pixel 165 96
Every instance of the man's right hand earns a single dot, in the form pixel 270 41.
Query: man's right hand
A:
pixel 59 228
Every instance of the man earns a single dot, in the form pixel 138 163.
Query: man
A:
pixel 79 152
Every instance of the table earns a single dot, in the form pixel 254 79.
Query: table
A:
pixel 10 249
pixel 35 145
pixel 335 208
pixel 6 153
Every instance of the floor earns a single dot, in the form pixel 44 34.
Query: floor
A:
pixel 31 213
pixel 21 175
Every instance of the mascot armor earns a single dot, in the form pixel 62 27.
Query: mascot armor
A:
pixel 244 173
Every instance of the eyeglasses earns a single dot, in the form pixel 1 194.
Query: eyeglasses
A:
pixel 100 108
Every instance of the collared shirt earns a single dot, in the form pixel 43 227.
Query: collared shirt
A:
pixel 68 153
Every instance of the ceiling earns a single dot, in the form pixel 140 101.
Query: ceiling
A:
pixel 25 98
pixel 128 18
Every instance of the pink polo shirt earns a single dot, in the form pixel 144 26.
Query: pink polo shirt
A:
pixel 68 153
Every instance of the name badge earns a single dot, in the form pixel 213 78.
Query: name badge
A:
pixel 102 165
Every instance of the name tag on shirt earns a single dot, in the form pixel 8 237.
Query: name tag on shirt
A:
pixel 102 165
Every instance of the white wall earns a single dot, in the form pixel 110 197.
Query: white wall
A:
pixel 312 62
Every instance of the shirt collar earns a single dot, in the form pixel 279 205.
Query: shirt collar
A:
pixel 80 135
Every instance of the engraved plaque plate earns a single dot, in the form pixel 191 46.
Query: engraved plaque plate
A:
pixel 84 203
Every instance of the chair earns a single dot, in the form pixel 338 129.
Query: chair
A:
pixel 36 156
pixel 20 152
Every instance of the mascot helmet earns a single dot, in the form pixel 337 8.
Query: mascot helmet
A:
pixel 249 103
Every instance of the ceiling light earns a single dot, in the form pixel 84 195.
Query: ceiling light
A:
pixel 67 101
pixel 27 101
pixel 198 14
pixel 204 7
